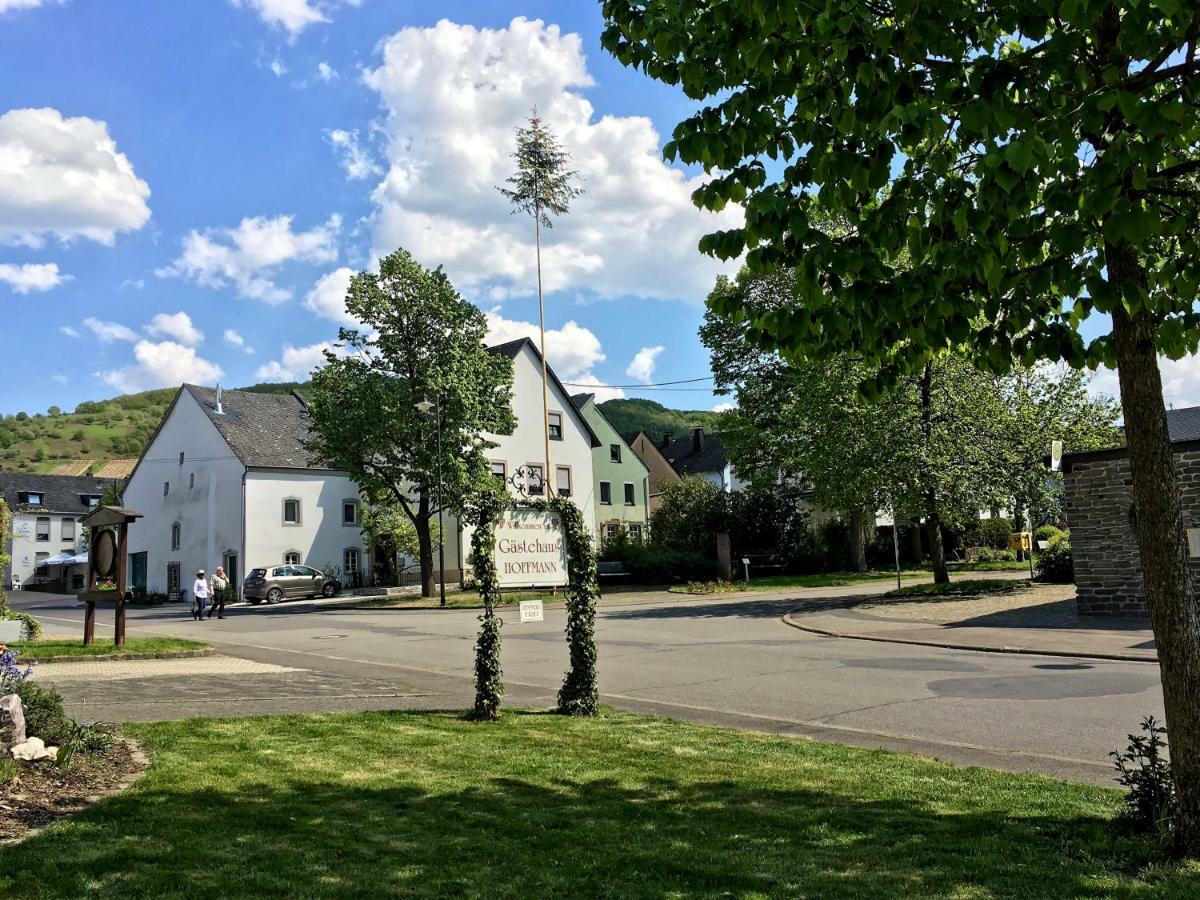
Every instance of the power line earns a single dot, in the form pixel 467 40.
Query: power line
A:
pixel 654 384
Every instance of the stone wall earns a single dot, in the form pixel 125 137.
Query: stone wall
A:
pixel 1108 566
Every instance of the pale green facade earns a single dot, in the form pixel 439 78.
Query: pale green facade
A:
pixel 621 479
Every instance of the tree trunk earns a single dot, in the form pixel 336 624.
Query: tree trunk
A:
pixel 858 546
pixel 425 544
pixel 914 541
pixel 1170 594
pixel 937 550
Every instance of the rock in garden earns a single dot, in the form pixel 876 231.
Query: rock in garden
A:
pixel 12 721
pixel 32 749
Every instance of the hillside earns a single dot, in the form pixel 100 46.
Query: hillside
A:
pixel 656 419
pixel 95 434
pixel 106 432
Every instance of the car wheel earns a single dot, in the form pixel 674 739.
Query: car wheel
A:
pixel 328 590
pixel 274 595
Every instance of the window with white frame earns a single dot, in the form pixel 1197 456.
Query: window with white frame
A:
pixel 630 496
pixel 562 481
pixel 614 452
pixel 499 470
pixel 349 512
pixel 350 560
pixel 42 529
pixel 611 530
pixel 292 558
pixel 176 536
pixel 535 479
pixel 635 532
pixel 606 493
pixel 291 511
pixel 68 531
pixel 555 426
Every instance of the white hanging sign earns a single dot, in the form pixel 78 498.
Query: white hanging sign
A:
pixel 530 549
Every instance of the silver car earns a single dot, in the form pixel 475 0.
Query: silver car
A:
pixel 280 582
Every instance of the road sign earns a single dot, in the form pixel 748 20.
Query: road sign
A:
pixel 531 611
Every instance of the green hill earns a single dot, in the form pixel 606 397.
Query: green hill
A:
pixel 97 431
pixel 656 419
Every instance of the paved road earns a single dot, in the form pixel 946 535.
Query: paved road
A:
pixel 729 662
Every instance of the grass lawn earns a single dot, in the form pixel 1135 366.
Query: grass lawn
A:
pixel 455 600
pixel 960 587
pixel 430 805
pixel 57 648
pixel 839 579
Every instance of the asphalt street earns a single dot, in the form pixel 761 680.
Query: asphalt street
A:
pixel 719 661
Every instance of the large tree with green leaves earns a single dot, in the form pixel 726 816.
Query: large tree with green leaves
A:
pixel 419 340
pixel 1038 161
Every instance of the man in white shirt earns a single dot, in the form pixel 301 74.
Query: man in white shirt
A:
pixel 199 595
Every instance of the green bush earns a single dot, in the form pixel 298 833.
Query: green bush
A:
pixel 1060 538
pixel 44 713
pixel 33 628
pixel 656 564
pixel 994 533
pixel 692 514
pixel 986 554
pixel 1047 533
pixel 1055 564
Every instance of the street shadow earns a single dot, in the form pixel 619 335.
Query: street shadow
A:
pixel 684 609
pixel 395 829
pixel 1060 614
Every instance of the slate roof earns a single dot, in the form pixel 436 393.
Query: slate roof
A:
pixel 61 492
pixel 1184 424
pixel 687 460
pixel 263 430
pixel 580 400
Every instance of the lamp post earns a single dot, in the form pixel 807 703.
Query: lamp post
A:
pixel 425 406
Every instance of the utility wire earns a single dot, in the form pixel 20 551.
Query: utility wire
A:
pixel 654 384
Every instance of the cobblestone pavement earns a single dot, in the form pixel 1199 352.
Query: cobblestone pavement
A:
pixel 124 670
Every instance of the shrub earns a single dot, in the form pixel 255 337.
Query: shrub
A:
pixel 1047 533
pixel 994 533
pixel 12 674
pixel 1055 564
pixel 33 628
pixel 656 564
pixel 805 553
pixel 692 513
pixel 44 714
pixel 1151 804
pixel 986 554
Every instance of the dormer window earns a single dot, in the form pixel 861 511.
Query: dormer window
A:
pixel 31 498
pixel 89 500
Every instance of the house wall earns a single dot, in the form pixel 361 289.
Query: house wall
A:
pixel 629 470
pixel 204 496
pixel 526 445
pixel 660 470
pixel 23 546
pixel 320 538
pixel 1108 565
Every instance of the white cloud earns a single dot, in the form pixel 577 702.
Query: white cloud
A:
pixel 454 95
pixel 326 72
pixel 571 351
pixel 1180 378
pixel 590 384
pixel 297 363
pixel 328 297
pixel 293 16
pixel 161 365
pixel 278 69
pixel 724 407
pixel 68 331
pixel 29 277
pixel 6 5
pixel 60 379
pixel 249 255
pixel 356 161
pixel 66 178
pixel 642 365
pixel 110 331
pixel 236 340
pixel 175 325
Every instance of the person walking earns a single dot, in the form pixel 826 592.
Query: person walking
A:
pixel 199 595
pixel 220 586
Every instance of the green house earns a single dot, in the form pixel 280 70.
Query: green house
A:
pixel 621 480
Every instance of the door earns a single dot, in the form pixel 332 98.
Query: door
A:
pixel 137 571
pixel 172 581
pixel 231 572
pixel 313 581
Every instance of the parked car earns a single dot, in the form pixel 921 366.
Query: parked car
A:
pixel 283 582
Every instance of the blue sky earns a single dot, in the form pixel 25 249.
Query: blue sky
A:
pixel 184 187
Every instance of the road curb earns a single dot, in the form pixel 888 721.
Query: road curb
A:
pixel 977 648
pixel 123 657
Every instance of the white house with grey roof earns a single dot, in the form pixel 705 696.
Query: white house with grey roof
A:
pixel 225 480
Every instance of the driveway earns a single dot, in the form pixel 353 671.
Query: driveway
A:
pixel 722 661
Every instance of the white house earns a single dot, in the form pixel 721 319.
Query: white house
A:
pixel 226 481
pixel 571 442
pixel 46 510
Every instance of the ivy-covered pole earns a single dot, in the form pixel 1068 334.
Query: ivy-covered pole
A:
pixel 484 508
pixel 579 695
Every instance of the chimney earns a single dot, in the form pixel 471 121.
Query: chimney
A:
pixel 666 440
pixel 697 440
pixel 220 409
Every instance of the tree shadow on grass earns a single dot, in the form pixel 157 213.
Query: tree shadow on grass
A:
pixel 311 832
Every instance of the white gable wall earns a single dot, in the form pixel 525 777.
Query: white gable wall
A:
pixel 204 496
pixel 527 445
pixel 321 539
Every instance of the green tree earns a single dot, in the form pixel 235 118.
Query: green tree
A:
pixel 1038 161
pixel 420 341
pixel 693 511
pixel 542 187
pixel 389 531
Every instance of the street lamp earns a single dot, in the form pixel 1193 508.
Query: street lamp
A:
pixel 425 406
